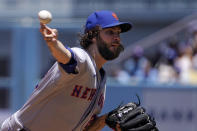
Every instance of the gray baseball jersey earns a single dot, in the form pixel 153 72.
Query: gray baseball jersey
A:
pixel 65 100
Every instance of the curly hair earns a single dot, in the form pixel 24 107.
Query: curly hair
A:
pixel 86 38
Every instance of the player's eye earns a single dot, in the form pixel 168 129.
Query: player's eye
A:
pixel 109 32
pixel 112 33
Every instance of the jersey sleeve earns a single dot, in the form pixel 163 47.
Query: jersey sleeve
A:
pixel 77 62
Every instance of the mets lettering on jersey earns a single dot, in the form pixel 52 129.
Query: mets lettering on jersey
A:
pixel 86 94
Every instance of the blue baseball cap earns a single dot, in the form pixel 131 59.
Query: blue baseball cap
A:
pixel 106 19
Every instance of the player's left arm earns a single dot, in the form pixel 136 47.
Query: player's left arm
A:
pixel 97 124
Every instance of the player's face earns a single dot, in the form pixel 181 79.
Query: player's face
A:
pixel 108 43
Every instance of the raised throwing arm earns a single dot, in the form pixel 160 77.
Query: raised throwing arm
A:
pixel 57 49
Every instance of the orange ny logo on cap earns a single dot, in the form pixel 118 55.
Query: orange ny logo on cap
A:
pixel 115 16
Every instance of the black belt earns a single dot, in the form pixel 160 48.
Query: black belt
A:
pixel 22 130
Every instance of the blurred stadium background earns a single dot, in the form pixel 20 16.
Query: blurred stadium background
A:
pixel 159 62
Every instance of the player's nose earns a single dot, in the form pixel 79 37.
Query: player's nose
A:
pixel 116 37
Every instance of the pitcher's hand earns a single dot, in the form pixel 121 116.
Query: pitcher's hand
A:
pixel 49 35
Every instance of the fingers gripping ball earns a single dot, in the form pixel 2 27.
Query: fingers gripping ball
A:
pixel 45 16
pixel 130 117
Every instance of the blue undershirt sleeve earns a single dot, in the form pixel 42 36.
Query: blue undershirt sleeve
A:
pixel 71 66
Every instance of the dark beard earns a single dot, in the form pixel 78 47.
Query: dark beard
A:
pixel 105 52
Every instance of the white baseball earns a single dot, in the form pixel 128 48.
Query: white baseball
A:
pixel 44 16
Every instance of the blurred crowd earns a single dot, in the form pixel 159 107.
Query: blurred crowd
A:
pixel 171 62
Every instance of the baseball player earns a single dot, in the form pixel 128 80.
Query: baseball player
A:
pixel 72 93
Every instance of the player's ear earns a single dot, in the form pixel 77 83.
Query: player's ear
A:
pixel 94 40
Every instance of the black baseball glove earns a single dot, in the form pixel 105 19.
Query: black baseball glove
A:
pixel 130 117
